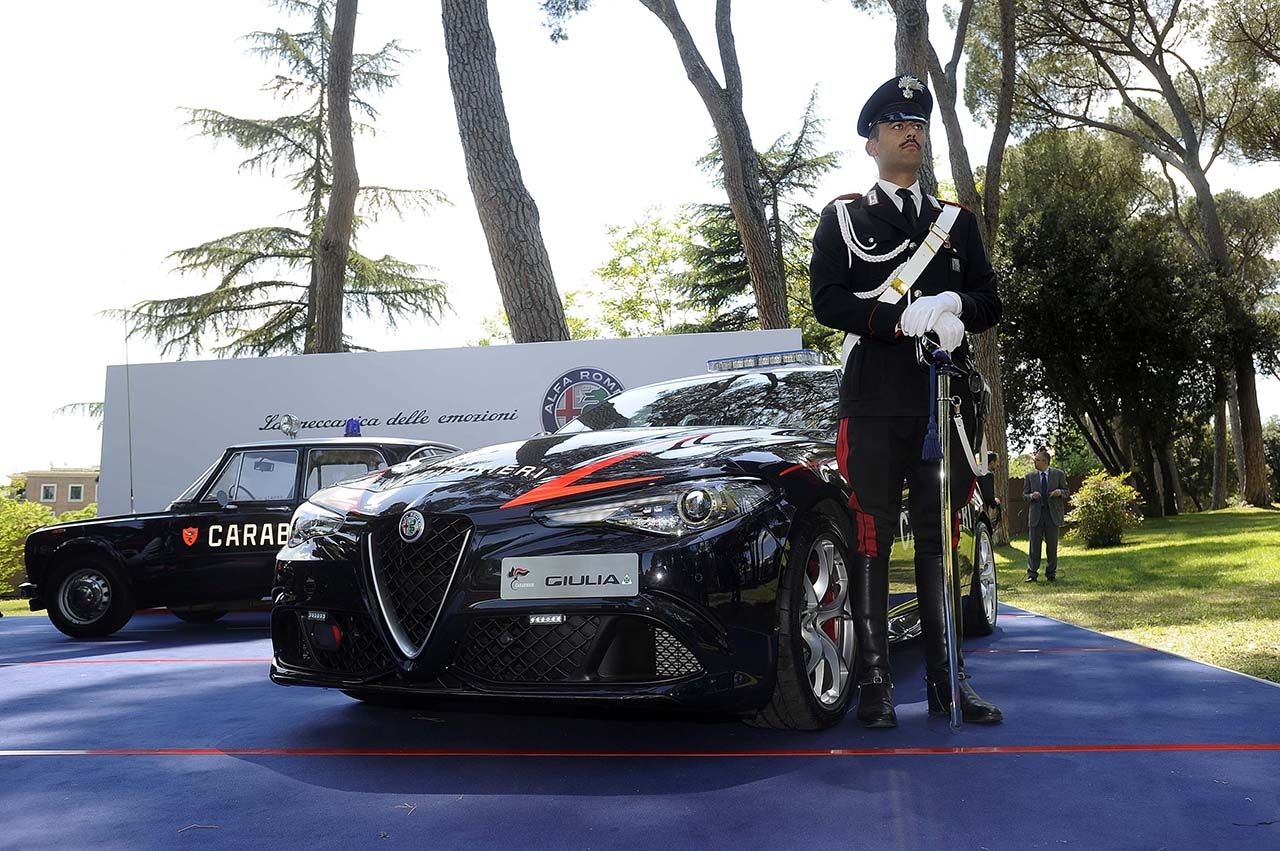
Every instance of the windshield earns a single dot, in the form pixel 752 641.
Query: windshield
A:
pixel 800 399
pixel 190 493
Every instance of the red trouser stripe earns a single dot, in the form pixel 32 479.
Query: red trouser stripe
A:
pixel 866 526
pixel 863 523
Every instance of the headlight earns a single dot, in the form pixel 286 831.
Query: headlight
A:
pixel 312 521
pixel 675 510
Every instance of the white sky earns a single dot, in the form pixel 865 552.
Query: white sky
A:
pixel 103 180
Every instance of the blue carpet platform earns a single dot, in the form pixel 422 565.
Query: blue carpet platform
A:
pixel 170 735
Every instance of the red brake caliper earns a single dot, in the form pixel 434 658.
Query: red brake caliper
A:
pixel 815 570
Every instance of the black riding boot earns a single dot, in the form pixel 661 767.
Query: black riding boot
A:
pixel 870 580
pixel 933 620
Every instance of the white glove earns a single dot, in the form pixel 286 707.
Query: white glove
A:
pixel 922 315
pixel 950 331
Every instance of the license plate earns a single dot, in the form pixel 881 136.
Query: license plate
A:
pixel 557 577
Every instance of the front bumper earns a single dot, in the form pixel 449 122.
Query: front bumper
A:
pixel 593 655
pixel 701 632
pixel 29 591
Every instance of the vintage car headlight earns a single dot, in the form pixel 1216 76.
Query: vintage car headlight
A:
pixel 677 509
pixel 312 521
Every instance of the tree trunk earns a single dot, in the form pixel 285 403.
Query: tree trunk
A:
pixel 911 44
pixel 1256 488
pixel 1220 391
pixel 1237 440
pixel 507 211
pixel 1158 476
pixel 987 354
pixel 741 170
pixel 330 260
pixel 1175 480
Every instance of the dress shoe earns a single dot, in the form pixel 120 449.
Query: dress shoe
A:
pixel 972 707
pixel 1032 579
pixel 1052 578
pixel 875 702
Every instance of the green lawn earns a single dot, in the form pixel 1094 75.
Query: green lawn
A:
pixel 17 607
pixel 1205 586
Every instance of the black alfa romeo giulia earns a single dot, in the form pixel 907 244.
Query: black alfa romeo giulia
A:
pixel 684 542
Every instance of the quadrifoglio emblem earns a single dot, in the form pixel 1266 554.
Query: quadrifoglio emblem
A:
pixel 412 525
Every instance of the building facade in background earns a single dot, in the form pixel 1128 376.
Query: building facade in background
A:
pixel 62 488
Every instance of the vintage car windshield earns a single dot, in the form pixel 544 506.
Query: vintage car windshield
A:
pixel 801 399
pixel 189 494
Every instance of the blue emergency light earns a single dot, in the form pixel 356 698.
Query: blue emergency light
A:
pixel 795 357
pixel 353 428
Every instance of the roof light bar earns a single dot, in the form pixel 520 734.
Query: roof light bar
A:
pixel 796 357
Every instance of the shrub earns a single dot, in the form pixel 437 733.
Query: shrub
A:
pixel 17 520
pixel 1103 508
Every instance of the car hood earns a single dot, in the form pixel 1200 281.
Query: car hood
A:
pixel 86 527
pixel 557 467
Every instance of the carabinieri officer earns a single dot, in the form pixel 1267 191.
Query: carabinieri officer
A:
pixel 864 245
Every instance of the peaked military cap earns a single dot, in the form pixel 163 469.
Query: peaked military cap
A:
pixel 903 98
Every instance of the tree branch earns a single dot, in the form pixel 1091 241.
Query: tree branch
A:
pixel 728 52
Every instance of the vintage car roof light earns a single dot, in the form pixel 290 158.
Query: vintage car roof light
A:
pixel 795 357
pixel 353 428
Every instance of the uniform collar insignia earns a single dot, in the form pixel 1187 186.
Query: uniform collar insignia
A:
pixel 909 85
pixel 934 201
pixel 873 196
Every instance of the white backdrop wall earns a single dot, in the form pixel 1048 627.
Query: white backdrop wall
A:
pixel 178 417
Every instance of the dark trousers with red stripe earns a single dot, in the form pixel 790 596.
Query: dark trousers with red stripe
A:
pixel 877 456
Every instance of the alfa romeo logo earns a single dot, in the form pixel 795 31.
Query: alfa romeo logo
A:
pixel 412 525
pixel 574 392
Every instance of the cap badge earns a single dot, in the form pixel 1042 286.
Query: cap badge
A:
pixel 909 85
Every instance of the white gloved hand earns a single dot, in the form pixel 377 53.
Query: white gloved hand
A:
pixel 950 331
pixel 921 316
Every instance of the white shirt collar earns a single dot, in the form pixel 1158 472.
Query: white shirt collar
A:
pixel 891 190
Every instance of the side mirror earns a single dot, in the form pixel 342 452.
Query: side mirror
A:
pixel 222 498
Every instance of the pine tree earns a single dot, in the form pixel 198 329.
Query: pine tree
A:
pixel 265 298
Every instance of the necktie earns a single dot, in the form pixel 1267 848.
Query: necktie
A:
pixel 908 207
pixel 1044 482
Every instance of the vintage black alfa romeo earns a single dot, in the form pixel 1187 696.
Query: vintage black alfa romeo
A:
pixel 213 548
pixel 684 542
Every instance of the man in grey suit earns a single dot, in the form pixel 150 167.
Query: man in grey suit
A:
pixel 1045 490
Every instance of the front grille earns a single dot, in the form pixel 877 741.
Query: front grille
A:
pixel 509 650
pixel 411 579
pixel 671 659
pixel 361 652
pixel 585 648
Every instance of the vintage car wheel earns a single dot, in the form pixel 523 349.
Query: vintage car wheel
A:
pixel 816 642
pixel 980 605
pixel 198 615
pixel 90 599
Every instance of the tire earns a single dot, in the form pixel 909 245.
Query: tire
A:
pixel 198 615
pixel 814 615
pixel 90 597
pixel 981 604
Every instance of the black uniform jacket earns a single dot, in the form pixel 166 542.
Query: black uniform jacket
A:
pixel 883 376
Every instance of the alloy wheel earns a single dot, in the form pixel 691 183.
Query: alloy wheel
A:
pixel 826 626
pixel 987 576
